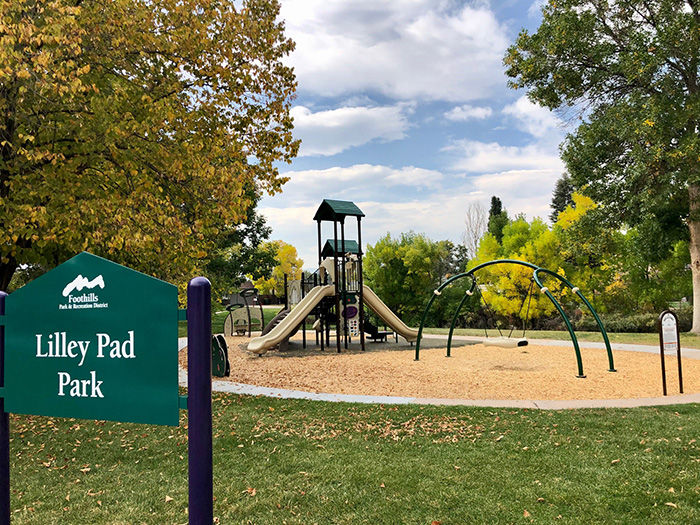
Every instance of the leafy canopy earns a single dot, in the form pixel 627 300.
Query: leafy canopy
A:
pixel 630 69
pixel 133 129
pixel 287 262
pixel 404 271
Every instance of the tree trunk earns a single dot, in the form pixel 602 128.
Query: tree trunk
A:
pixel 7 270
pixel 694 225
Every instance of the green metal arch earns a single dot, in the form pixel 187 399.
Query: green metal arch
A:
pixel 588 305
pixel 536 270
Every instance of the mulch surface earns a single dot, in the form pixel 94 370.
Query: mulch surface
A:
pixel 473 372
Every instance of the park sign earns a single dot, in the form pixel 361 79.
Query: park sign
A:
pixel 93 340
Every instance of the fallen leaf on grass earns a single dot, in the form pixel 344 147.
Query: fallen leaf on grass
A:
pixel 168 499
pixel 614 461
pixel 436 523
pixel 526 514
pixel 250 491
pixel 668 503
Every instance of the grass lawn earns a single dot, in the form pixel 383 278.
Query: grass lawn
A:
pixel 289 461
pixel 218 318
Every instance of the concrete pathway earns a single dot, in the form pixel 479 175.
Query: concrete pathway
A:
pixel 252 390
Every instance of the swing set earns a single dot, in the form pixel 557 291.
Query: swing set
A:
pixel 509 342
pixel 504 341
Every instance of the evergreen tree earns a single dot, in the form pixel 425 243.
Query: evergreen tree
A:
pixel 561 197
pixel 498 219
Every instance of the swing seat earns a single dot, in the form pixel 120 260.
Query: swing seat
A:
pixel 505 342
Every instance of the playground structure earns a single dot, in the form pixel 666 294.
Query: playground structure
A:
pixel 543 289
pixel 243 315
pixel 338 295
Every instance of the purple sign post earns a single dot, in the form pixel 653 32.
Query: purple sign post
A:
pixel 4 431
pixel 201 490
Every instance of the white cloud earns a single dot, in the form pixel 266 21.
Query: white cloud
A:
pixel 535 10
pixel 413 49
pixel 330 132
pixel 518 186
pixel 437 211
pixel 360 179
pixel 482 157
pixel 536 120
pixel 467 112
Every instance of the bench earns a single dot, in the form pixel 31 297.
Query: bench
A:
pixel 380 335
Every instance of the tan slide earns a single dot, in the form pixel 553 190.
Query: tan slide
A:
pixel 389 317
pixel 260 345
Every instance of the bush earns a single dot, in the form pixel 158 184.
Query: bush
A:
pixel 634 323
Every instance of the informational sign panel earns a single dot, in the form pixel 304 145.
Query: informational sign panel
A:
pixel 669 332
pixel 669 341
pixel 93 340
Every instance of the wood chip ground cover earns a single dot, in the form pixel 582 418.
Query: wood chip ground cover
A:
pixel 473 372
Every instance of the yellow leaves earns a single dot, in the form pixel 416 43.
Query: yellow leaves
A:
pixel 649 123
pixel 573 213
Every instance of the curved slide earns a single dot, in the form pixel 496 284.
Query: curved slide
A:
pixel 260 345
pixel 389 317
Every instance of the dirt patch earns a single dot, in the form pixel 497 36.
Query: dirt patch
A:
pixel 473 371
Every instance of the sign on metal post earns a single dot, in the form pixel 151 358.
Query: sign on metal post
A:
pixel 95 340
pixel 92 339
pixel 669 341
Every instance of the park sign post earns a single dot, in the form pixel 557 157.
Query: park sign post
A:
pixel 93 340
pixel 669 341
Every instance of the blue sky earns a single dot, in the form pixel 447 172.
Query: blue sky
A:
pixel 403 108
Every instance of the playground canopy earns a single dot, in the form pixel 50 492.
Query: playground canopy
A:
pixel 346 247
pixel 332 210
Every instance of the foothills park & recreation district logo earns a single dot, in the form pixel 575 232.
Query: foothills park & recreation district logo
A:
pixel 86 300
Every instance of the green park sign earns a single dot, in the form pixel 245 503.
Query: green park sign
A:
pixel 93 340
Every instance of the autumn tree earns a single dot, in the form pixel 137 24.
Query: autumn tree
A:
pixel 507 288
pixel 287 262
pixel 630 69
pixel 133 129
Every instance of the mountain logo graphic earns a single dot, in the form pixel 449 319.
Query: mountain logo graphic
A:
pixel 80 283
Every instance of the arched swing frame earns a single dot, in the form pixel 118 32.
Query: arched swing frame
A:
pixel 536 276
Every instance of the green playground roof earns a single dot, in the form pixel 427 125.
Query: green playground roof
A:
pixel 331 210
pixel 350 247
